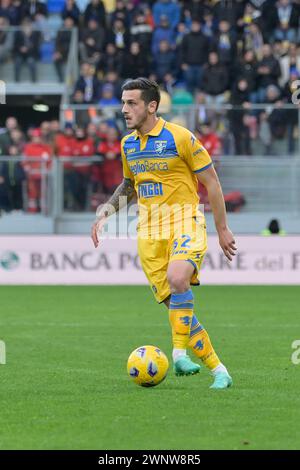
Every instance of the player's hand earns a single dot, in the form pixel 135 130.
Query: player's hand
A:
pixel 227 243
pixel 97 229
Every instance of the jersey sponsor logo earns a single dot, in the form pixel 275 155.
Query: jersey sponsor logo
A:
pixel 160 146
pixel 147 190
pixel 139 167
pixel 129 151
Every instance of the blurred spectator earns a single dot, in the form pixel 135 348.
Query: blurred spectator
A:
pixel 37 160
pixel 164 61
pixel 87 83
pixel 224 43
pixel 268 70
pixel 46 134
pixel 5 133
pixel 203 113
pixel 238 117
pixel 253 40
pixel 167 8
pixel 62 46
pixel 111 61
pixel 6 40
pixel 277 116
pixel 163 32
pixel 131 10
pixel 26 49
pixel 209 26
pixel 64 143
pixel 64 147
pixel 17 139
pixel 92 42
pixel 292 115
pixel 108 97
pixel 250 15
pixel 71 10
pixel 182 30
pixel 119 36
pixel 79 177
pixel 54 128
pixel 246 68
pixel 136 63
pixel 12 176
pixel 107 176
pixel 113 78
pixel 286 20
pixel 32 8
pixel 290 63
pixel 210 140
pixel 141 32
pixel 194 53
pixel 121 13
pixel 95 9
pixel 229 10
pixel 91 132
pixel 82 115
pixel 215 80
pixel 11 11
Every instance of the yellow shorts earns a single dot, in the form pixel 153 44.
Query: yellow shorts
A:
pixel 156 254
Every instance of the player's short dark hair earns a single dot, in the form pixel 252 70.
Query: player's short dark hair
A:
pixel 149 88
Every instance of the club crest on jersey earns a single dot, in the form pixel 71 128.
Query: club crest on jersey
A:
pixel 160 146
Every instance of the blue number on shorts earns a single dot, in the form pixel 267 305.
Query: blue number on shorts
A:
pixel 175 244
pixel 185 244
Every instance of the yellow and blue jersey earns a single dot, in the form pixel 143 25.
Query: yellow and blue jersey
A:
pixel 163 164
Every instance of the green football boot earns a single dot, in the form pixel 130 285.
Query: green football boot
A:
pixel 185 366
pixel 222 380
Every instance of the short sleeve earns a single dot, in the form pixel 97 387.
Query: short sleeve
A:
pixel 194 154
pixel 127 173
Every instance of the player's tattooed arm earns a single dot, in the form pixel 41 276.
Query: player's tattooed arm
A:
pixel 120 198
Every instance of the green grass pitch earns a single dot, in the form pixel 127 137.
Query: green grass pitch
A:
pixel 65 384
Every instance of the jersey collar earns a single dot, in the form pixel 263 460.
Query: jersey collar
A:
pixel 155 131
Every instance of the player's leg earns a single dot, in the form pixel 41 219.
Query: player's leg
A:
pixel 181 307
pixel 202 347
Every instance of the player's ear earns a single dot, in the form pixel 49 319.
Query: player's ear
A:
pixel 152 107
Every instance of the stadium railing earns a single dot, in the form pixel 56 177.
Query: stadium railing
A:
pixel 267 184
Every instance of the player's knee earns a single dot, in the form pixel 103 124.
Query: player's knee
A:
pixel 178 282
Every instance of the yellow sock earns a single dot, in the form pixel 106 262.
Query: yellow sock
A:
pixel 180 316
pixel 200 343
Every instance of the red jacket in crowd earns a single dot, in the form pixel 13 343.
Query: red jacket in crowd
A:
pixel 41 153
pixel 64 145
pixel 83 148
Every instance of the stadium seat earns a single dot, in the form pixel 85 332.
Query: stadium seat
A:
pixel 46 52
pixel 55 6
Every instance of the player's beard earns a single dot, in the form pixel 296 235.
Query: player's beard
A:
pixel 138 123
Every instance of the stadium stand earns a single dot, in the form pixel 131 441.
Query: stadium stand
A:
pixel 227 70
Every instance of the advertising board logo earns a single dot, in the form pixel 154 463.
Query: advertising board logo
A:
pixel 9 260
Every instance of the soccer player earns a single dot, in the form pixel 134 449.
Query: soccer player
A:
pixel 162 164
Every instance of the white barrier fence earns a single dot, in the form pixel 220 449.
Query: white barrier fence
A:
pixel 73 260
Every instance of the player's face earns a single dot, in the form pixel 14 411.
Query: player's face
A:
pixel 135 110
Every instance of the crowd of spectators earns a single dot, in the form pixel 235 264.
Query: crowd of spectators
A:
pixel 244 54
pixel 87 183
pixel 206 53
